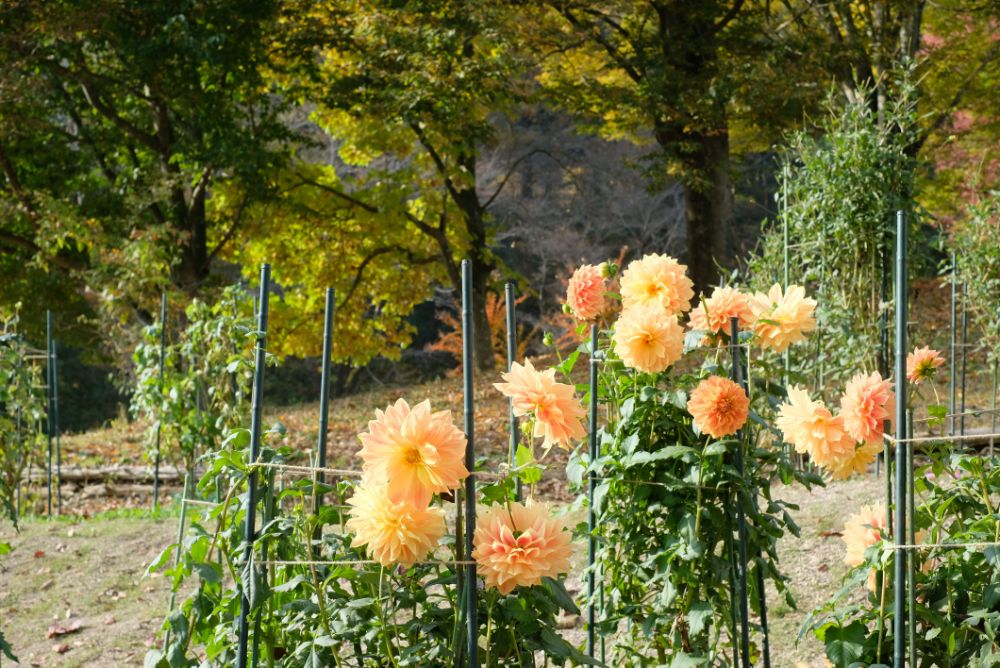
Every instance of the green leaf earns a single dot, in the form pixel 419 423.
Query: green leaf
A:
pixel 698 617
pixel 557 589
pixel 683 660
pixel 845 644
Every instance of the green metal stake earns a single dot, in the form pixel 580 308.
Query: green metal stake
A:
pixel 177 555
pixel 159 385
pixel 899 614
pixel 591 488
pixel 911 617
pixel 49 421
pixel 256 412
pixel 965 332
pixel 324 395
pixel 55 424
pixel 471 584
pixel 953 366
pixel 740 378
pixel 508 290
pixel 993 420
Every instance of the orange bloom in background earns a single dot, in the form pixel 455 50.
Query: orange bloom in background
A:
pixel 585 292
pixel 857 462
pixel 719 406
pixel 394 532
pixel 867 402
pixel 647 339
pixel 657 280
pixel 811 428
pixel 415 452
pixel 781 319
pixel 862 530
pixel 558 413
pixel 520 546
pixel 714 313
pixel 922 363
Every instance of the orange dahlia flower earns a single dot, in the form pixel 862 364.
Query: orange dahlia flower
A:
pixel 857 462
pixel 719 406
pixel 394 532
pixel 714 313
pixel 781 319
pixel 520 544
pixel 862 530
pixel 922 363
pixel 867 402
pixel 585 292
pixel 557 411
pixel 648 339
pixel 811 428
pixel 415 452
pixel 657 280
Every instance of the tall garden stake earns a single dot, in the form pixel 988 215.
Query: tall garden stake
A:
pixel 55 424
pixel 255 429
pixel 741 520
pixel 324 393
pixel 591 487
pixel 899 614
pixel 953 365
pixel 48 408
pixel 468 386
pixel 177 556
pixel 740 378
pixel 911 538
pixel 159 386
pixel 508 290
pixel 964 347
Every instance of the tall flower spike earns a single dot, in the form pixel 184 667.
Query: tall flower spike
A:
pixel 415 452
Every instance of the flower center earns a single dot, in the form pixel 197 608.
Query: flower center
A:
pixel 413 457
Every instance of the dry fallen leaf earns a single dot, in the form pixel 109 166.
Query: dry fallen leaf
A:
pixel 39 554
pixel 61 648
pixel 59 630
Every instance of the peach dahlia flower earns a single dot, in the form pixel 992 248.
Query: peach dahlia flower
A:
pixel 862 530
pixel 781 319
pixel 557 411
pixel 657 280
pixel 857 462
pixel 394 532
pixel 714 313
pixel 719 406
pixel 520 544
pixel 648 339
pixel 867 402
pixel 811 428
pixel 415 452
pixel 585 292
pixel 922 363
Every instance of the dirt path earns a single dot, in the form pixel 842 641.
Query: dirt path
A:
pixel 91 574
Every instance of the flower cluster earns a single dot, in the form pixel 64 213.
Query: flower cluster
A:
pixel 409 454
pixel 842 444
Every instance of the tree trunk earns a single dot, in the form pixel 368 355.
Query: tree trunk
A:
pixel 708 212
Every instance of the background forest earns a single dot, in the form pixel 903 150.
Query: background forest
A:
pixel 369 146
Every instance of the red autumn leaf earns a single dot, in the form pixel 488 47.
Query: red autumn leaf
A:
pixel 39 554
